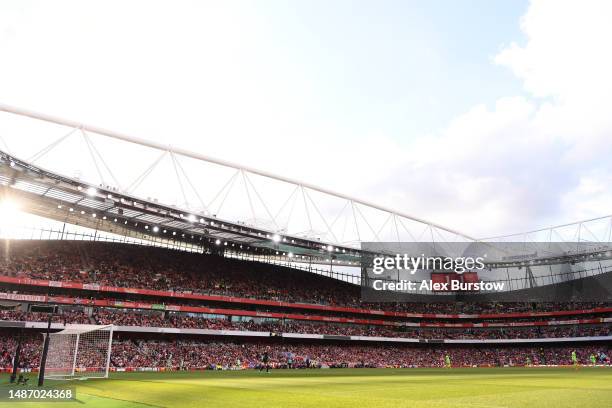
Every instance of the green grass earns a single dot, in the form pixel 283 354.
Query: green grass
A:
pixel 366 388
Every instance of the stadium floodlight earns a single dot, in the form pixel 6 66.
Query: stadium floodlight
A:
pixel 276 238
pixel 91 191
pixel 191 218
pixel 330 248
pixel 217 242
pixel 79 351
pixel 155 228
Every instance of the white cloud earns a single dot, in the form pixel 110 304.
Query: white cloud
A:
pixel 529 161
pixel 566 55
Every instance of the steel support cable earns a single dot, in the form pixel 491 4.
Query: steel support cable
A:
pixel 293 203
pixel 229 189
pixel 345 222
pixel 246 187
pixel 306 208
pixel 117 183
pixel 396 228
pixel 384 224
pixel 407 230
pixel 180 166
pixel 286 202
pixel 261 201
pixel 368 224
pixel 38 155
pixel 178 178
pixel 227 183
pixel 339 214
pixel 136 183
pixel 93 157
pixel 355 220
pixel 322 218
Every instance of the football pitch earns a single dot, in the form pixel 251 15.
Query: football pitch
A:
pixel 368 388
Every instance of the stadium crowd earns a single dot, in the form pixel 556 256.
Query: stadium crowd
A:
pixel 226 355
pixel 140 353
pixel 191 321
pixel 72 317
pixel 130 266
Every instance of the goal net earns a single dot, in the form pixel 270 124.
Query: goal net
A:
pixel 79 351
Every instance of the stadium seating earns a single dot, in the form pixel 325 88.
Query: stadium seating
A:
pixel 64 267
pixel 130 266
pixel 181 320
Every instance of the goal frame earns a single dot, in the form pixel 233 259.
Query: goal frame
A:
pixel 71 370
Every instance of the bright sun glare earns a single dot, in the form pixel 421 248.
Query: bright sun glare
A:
pixel 10 214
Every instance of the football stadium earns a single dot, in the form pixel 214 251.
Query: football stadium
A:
pixel 153 304
pixel 142 271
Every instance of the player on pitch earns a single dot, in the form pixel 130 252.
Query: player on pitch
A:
pixel 575 360
pixel 447 361
pixel 265 362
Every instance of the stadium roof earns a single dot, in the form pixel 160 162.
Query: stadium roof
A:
pixel 52 194
pixel 65 199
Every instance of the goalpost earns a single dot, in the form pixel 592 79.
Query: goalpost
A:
pixel 79 351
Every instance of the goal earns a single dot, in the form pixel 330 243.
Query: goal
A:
pixel 79 351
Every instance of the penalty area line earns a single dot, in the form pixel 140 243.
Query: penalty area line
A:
pixel 122 400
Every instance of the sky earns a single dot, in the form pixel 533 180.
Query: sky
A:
pixel 487 117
